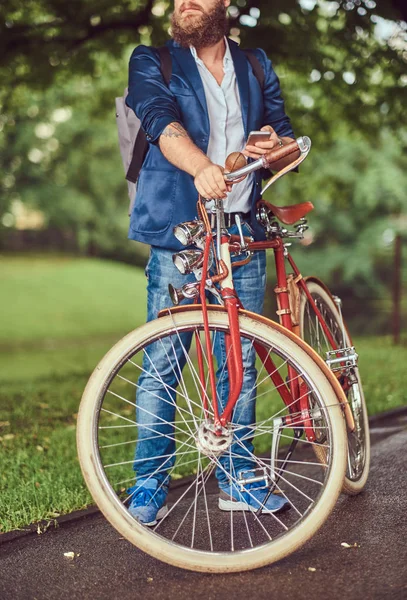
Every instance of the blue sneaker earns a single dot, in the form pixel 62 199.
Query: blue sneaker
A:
pixel 147 504
pixel 251 499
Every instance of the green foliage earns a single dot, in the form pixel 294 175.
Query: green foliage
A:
pixel 48 42
pixel 65 161
pixel 338 67
pixel 42 39
pixel 342 78
pixel 358 190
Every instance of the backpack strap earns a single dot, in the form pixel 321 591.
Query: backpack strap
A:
pixel 258 72
pixel 165 63
pixel 141 144
pixel 256 66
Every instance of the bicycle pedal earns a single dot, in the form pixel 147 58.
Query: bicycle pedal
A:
pixel 343 358
pixel 247 477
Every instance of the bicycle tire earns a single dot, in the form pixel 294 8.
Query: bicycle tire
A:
pixel 323 388
pixel 354 481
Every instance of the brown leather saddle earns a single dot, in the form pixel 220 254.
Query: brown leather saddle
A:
pixel 288 214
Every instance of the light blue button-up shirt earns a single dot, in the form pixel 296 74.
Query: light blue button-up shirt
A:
pixel 226 126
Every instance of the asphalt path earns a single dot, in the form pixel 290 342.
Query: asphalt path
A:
pixel 33 566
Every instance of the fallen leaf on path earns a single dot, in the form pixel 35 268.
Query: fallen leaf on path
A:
pixel 42 528
pixel 70 555
pixel 346 545
pixel 149 579
pixel 311 569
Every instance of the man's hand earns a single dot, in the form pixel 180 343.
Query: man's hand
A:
pixel 262 147
pixel 209 181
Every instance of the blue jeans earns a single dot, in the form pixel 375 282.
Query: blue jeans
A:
pixel 164 360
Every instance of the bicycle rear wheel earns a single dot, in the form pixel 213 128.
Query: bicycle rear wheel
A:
pixel 358 461
pixel 195 534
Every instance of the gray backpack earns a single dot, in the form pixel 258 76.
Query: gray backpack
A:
pixel 132 138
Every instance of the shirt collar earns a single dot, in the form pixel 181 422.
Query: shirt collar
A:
pixel 227 59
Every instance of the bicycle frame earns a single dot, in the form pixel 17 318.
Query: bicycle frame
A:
pixel 294 394
pixel 285 309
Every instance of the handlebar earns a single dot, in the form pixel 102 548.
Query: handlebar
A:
pixel 303 144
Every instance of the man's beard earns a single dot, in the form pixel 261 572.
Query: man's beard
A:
pixel 201 32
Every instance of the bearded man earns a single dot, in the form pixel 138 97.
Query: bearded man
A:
pixel 206 112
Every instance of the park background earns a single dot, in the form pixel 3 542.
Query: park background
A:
pixel 71 282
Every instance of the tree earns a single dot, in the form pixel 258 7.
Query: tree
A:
pixel 343 87
pixel 60 156
pixel 46 41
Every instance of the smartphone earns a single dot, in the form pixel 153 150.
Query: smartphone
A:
pixel 258 136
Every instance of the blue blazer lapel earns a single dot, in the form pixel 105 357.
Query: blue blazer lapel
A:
pixel 188 65
pixel 242 76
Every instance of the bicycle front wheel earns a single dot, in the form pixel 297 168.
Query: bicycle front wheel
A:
pixel 358 461
pixel 195 534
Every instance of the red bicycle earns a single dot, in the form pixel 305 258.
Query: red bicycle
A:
pixel 308 437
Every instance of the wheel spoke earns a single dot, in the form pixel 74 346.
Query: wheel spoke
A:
pixel 171 437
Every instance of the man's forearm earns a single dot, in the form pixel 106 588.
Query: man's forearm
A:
pixel 180 150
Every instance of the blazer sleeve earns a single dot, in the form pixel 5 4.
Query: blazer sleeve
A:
pixel 149 96
pixel 274 111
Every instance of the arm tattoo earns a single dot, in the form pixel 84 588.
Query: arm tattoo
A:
pixel 175 130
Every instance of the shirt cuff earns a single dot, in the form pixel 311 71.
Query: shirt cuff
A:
pixel 154 134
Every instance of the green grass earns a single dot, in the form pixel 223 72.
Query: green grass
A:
pixel 40 475
pixel 384 373
pixel 59 315
pixel 65 298
pixel 46 359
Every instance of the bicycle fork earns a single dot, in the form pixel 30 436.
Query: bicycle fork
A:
pixel 234 360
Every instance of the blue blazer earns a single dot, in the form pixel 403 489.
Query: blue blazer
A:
pixel 166 195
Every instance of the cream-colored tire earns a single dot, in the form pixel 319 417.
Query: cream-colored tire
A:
pixel 355 479
pixel 296 530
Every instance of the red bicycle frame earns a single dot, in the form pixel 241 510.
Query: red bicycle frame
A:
pixel 294 394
